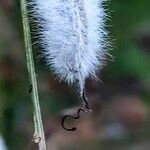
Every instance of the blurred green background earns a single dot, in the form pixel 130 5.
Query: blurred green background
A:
pixel 120 102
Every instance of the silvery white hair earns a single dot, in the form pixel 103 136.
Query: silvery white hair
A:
pixel 73 37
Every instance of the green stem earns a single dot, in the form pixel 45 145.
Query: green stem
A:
pixel 39 136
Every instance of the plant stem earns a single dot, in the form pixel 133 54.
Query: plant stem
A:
pixel 39 136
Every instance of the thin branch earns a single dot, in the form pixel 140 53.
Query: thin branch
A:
pixel 39 136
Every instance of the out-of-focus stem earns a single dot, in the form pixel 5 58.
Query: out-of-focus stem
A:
pixel 39 136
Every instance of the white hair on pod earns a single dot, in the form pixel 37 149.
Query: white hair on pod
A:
pixel 73 37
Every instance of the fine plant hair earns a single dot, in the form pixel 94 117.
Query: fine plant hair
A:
pixel 73 38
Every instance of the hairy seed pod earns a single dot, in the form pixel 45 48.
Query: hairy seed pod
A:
pixel 73 37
